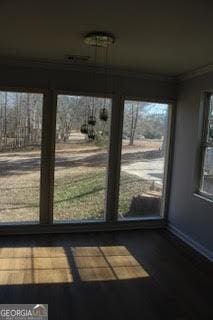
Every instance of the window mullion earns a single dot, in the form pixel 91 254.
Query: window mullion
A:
pixel 114 159
pixel 47 158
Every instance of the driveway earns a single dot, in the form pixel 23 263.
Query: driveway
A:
pixel 147 169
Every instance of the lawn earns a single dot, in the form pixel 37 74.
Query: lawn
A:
pixel 79 195
pixel 82 198
pixel 80 185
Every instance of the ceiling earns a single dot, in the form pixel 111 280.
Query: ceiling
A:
pixel 164 37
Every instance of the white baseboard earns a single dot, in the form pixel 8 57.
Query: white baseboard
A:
pixel 192 243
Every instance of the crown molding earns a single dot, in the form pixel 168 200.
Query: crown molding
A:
pixel 6 62
pixel 195 73
pixel 52 64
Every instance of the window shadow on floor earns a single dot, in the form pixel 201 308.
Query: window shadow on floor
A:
pixel 99 277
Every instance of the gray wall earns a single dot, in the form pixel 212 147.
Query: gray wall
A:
pixel 190 216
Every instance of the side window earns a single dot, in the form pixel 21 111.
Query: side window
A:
pixel 206 181
pixel 20 156
pixel 145 141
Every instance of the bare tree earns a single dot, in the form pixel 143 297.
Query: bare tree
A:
pixel 1 122
pixel 165 128
pixel 5 119
pixel 134 120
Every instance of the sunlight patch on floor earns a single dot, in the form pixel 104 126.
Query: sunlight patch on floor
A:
pixel 34 265
pixel 106 263
pixel 40 265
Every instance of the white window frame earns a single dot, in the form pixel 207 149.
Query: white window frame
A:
pixel 205 144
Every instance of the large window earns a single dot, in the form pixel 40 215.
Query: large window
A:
pixel 20 153
pixel 81 158
pixel 143 159
pixel 77 179
pixel 206 184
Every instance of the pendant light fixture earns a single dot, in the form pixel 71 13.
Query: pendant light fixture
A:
pixel 84 128
pixel 103 114
pixel 99 41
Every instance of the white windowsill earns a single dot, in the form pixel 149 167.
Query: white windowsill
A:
pixel 201 196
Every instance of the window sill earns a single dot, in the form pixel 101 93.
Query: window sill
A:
pixel 203 197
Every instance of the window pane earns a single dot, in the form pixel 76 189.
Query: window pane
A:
pixel 20 152
pixel 81 162
pixel 207 177
pixel 144 144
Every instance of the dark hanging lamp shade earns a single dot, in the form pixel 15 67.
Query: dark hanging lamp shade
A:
pixel 91 134
pixel 92 120
pixel 84 128
pixel 103 114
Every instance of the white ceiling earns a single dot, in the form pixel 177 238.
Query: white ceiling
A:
pixel 157 36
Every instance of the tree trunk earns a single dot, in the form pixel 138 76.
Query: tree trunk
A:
pixel 28 120
pixel 5 120
pixel 1 127
pixel 134 121
pixel 131 138
pixel 164 135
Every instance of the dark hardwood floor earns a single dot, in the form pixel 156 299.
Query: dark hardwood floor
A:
pixel 124 275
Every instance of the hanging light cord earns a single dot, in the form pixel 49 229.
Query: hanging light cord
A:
pixel 96 51
pixel 106 72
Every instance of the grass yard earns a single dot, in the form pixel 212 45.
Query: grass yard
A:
pixel 79 194
pixel 80 185
pixel 82 198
